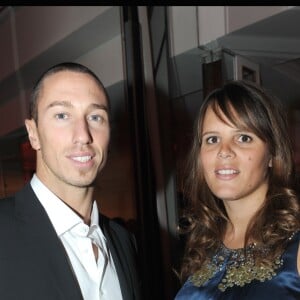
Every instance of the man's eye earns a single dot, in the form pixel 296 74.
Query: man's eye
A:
pixel 61 116
pixel 244 138
pixel 212 140
pixel 97 118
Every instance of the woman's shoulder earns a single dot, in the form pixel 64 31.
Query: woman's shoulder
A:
pixel 291 254
pixel 294 237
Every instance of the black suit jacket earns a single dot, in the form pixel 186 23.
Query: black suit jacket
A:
pixel 33 262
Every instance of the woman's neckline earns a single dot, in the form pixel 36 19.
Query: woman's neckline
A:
pixel 249 246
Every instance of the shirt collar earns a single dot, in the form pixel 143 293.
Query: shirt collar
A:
pixel 61 216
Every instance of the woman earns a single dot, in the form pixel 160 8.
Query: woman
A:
pixel 244 216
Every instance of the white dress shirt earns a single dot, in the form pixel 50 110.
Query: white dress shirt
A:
pixel 97 280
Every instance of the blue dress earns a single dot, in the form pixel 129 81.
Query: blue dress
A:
pixel 283 284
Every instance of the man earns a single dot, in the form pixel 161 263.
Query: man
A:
pixel 55 244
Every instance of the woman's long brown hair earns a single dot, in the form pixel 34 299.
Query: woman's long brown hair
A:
pixel 249 107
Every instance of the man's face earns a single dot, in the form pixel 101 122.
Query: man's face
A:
pixel 72 134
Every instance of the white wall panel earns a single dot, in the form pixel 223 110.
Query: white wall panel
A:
pixel 182 28
pixel 34 37
pixel 106 61
pixel 38 28
pixel 211 23
pixel 194 26
pixel 241 16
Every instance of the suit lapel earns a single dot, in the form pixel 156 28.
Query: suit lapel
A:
pixel 117 252
pixel 38 234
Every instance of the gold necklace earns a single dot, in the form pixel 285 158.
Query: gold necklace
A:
pixel 238 265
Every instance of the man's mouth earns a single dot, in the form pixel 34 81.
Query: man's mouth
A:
pixel 82 159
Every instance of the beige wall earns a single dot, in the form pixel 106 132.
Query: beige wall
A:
pixel 35 37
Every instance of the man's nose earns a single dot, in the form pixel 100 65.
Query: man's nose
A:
pixel 82 132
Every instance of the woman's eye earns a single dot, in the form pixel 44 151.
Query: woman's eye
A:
pixel 243 138
pixel 61 116
pixel 212 140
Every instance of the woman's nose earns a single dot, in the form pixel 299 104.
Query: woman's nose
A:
pixel 226 152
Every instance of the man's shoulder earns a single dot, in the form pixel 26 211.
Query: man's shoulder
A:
pixel 117 232
pixel 112 225
pixel 7 218
pixel 7 204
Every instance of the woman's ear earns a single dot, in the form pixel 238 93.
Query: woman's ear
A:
pixel 32 134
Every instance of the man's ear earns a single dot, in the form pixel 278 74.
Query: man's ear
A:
pixel 32 134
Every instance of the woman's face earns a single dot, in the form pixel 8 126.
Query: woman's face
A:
pixel 234 162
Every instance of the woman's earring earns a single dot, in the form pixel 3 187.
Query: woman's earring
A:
pixel 270 163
